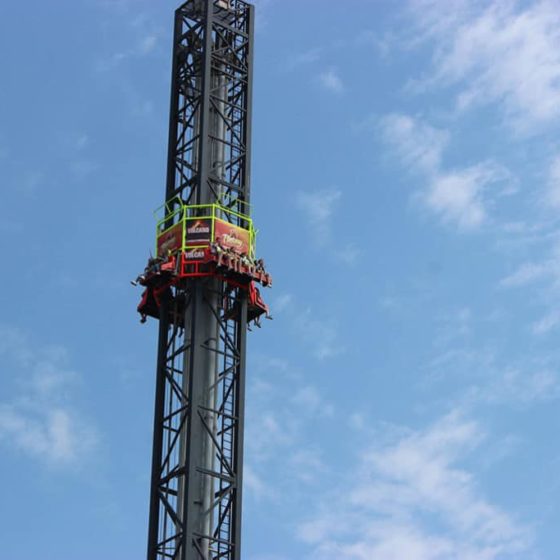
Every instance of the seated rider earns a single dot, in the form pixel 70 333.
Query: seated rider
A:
pixel 153 267
pixel 258 305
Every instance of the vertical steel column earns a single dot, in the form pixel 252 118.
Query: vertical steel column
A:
pixel 195 501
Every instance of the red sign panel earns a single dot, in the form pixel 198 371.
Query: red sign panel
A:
pixel 199 231
pixel 195 254
pixel 232 237
pixel 171 240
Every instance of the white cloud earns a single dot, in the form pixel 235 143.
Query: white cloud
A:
pixel 481 378
pixel 419 144
pixel 147 44
pixel 282 303
pixel 281 408
pixel 383 45
pixel 81 141
pixel 30 182
pixel 269 427
pixel 358 421
pixel 121 6
pixel 545 271
pixel 255 485
pixel 318 207
pixel 39 419
pixel 301 59
pixel 307 465
pixel 546 323
pixel 499 51
pixel 310 402
pixel 527 273
pixel 262 9
pixel 320 335
pixel 82 168
pixel 14 343
pixel 552 197
pixel 331 81
pixel 515 385
pixel 412 499
pixel 55 435
pixel 453 327
pixel 522 387
pixel 457 196
pixel 271 433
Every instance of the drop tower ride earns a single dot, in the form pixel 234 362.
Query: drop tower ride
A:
pixel 202 287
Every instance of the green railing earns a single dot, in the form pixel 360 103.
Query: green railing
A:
pixel 175 220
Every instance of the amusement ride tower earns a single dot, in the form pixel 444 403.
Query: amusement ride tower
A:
pixel 201 286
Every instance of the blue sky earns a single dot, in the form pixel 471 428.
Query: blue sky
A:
pixel 403 405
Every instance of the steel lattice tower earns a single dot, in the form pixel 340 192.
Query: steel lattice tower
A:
pixel 197 465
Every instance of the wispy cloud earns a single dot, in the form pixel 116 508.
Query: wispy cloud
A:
pixel 256 486
pixel 308 465
pixel 40 419
pixel 331 80
pixel 519 387
pixel 282 302
pixel 147 44
pixel 322 336
pixel 456 196
pixel 303 58
pixel 420 145
pixel 552 196
pixel 480 375
pixel 30 182
pixel 546 323
pixel 413 499
pixel 144 46
pixel 319 208
pixel 527 273
pixel 383 44
pixel 117 6
pixel 311 403
pixel 545 271
pixel 319 334
pixel 81 141
pixel 281 405
pixel 262 9
pixel 503 52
